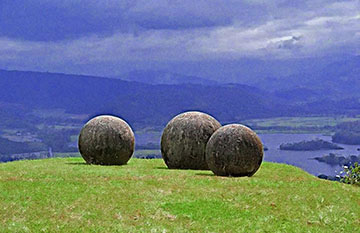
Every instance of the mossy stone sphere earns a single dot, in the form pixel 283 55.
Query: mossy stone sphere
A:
pixel 184 139
pixel 234 150
pixel 106 140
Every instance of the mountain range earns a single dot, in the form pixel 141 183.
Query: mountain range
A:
pixel 337 80
pixel 134 101
pixel 154 97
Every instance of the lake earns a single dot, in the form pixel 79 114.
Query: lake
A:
pixel 302 159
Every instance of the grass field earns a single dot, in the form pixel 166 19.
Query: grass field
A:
pixel 66 195
pixel 136 153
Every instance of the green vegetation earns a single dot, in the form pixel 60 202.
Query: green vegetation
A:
pixel 146 152
pixel 334 159
pixel 67 154
pixel 58 139
pixel 65 195
pixel 347 133
pixel 137 153
pixel 351 174
pixel 37 131
pixel 11 147
pixel 298 124
pixel 58 114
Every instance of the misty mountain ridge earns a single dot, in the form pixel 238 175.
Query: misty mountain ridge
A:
pixel 163 77
pixel 340 79
pixel 134 101
pixel 155 104
pixel 309 79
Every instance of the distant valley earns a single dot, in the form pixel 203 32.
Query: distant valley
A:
pixel 40 111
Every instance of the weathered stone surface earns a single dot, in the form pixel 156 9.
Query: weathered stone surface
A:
pixel 234 150
pixel 106 140
pixel 184 139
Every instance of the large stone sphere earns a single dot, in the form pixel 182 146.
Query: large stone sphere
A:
pixel 106 140
pixel 234 150
pixel 184 139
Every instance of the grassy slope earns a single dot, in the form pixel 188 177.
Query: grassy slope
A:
pixel 66 195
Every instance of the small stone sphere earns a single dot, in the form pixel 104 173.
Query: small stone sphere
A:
pixel 183 141
pixel 106 140
pixel 234 150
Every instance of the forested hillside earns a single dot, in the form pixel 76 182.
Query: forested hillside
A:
pixel 137 102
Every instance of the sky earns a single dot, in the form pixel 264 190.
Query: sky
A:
pixel 111 37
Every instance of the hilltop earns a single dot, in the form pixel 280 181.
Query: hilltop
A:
pixel 67 195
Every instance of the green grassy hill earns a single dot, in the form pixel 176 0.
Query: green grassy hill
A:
pixel 66 195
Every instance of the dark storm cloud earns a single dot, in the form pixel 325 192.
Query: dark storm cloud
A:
pixel 55 20
pixel 78 34
pixel 46 20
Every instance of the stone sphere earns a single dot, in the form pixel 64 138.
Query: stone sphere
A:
pixel 106 140
pixel 183 141
pixel 234 150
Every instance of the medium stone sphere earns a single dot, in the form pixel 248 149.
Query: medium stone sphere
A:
pixel 106 140
pixel 184 139
pixel 234 150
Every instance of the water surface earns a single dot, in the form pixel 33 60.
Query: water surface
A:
pixel 303 159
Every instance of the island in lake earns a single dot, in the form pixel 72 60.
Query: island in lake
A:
pixel 347 133
pixel 317 144
pixel 333 159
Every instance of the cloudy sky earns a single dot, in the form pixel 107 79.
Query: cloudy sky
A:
pixel 110 37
